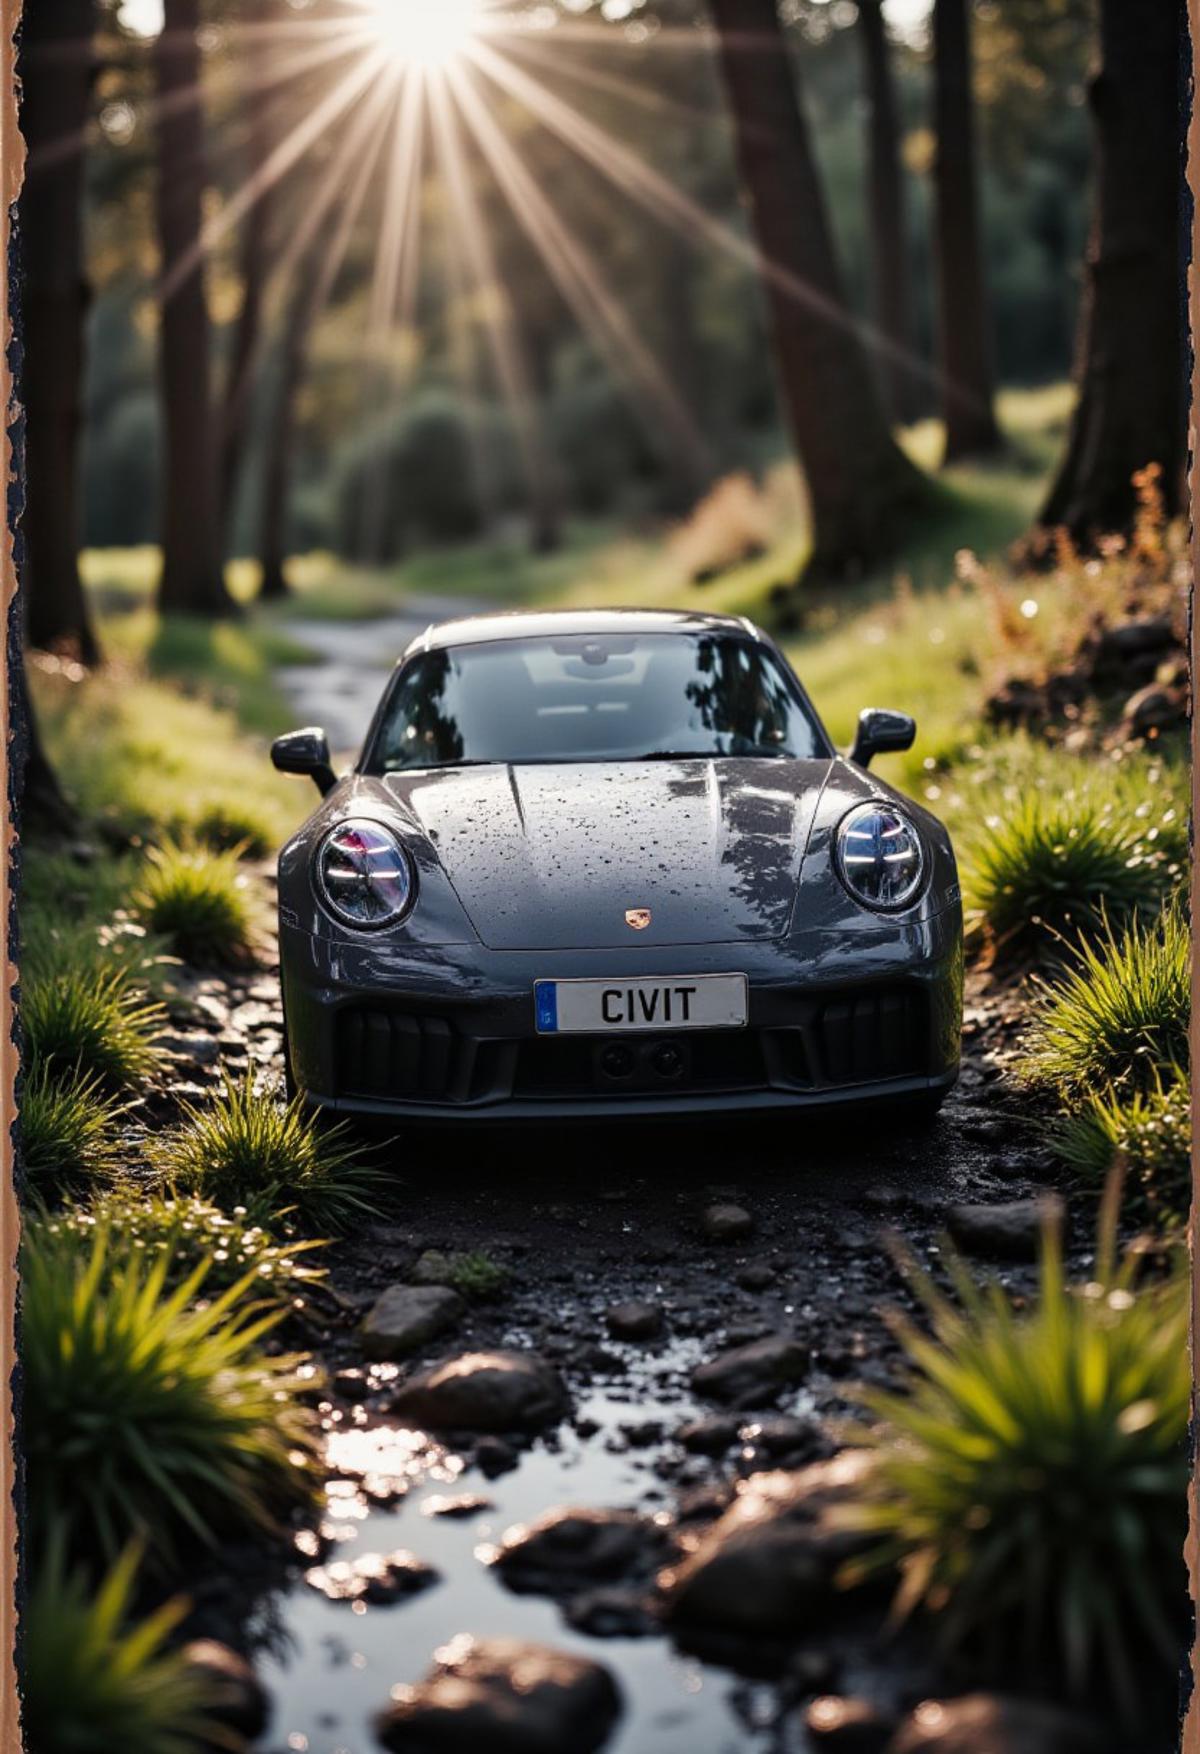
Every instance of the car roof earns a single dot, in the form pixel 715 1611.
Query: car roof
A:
pixel 551 623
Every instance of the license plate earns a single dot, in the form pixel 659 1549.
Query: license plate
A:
pixel 588 1007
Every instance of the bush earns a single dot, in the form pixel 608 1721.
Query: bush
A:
pixel 1049 866
pixel 1148 1134
pixel 93 1682
pixel 230 825
pixel 78 1021
pixel 188 1231
pixel 68 1131
pixel 149 1414
pixel 197 901
pixel 1118 1015
pixel 1030 1480
pixel 250 1150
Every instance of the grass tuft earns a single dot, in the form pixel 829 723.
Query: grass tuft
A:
pixel 198 902
pixel 94 1680
pixel 251 1150
pixel 150 1414
pixel 1030 1480
pixel 79 1020
pixel 68 1131
pixel 477 1276
pixel 1119 1013
pixel 1145 1133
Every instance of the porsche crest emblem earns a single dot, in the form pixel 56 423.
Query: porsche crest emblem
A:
pixel 637 917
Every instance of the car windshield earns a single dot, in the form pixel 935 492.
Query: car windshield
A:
pixel 593 697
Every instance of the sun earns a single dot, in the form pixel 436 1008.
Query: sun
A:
pixel 425 33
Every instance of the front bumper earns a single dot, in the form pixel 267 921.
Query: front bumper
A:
pixel 447 1033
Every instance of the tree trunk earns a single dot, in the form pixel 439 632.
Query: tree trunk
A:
pixel 862 489
pixel 56 69
pixel 886 207
pixel 964 322
pixel 192 581
pixel 254 256
pixel 1131 366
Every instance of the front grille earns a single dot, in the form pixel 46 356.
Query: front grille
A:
pixel 711 1060
pixel 862 1037
pixel 384 1053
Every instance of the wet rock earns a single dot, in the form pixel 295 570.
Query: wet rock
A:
pixel 503 1696
pixel 466 1504
pixel 1011 1230
pixel 1145 636
pixel 758 1276
pixel 634 1321
pixel 485 1391
pixel 351 1385
pixel 782 1435
pixel 493 1457
pixel 1153 709
pixel 989 1723
pixel 598 1360
pixel 725 1222
pixel 239 1701
pixel 377 1578
pixel 407 1316
pixel 752 1375
pixel 611 1613
pixel 849 1726
pixel 770 1564
pixel 710 1436
pixel 197 1050
pixel 433 1268
pixel 641 1433
pixel 567 1548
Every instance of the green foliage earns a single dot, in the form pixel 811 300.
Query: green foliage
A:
pixel 1147 1134
pixel 198 902
pixel 1118 1015
pixel 150 1413
pixel 78 1020
pixel 477 1276
pixel 1051 865
pixel 250 1150
pixel 68 1131
pixel 188 1231
pixel 94 1680
pixel 1030 1479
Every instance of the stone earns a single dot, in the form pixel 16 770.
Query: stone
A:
pixel 758 1276
pixel 725 1222
pixel 1135 638
pixel 567 1548
pixel 990 1723
pixel 493 1457
pixel 1011 1230
pixel 433 1267
pixel 465 1504
pixel 752 1375
pixel 782 1435
pixel 634 1321
pixel 851 1726
pixel 710 1436
pixel 503 1696
pixel 197 1049
pixel 376 1578
pixel 486 1392
pixel 351 1385
pixel 770 1564
pixel 407 1316
pixel 239 1700
pixel 611 1613
pixel 1153 709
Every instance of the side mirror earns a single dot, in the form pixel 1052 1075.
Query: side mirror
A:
pixel 880 732
pixel 307 752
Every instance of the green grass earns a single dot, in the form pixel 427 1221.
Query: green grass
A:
pixel 1030 1477
pixel 68 1132
pixel 251 1150
pixel 477 1276
pixel 150 1413
pixel 97 1680
pixel 1118 1014
pixel 1147 1136
pixel 198 902
pixel 78 1019
pixel 188 1231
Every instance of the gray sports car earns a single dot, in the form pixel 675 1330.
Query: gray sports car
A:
pixel 610 864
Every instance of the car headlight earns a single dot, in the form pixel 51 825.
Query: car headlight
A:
pixel 879 856
pixel 364 876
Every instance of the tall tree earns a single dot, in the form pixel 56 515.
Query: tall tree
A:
pixel 192 579
pixel 253 257
pixel 963 317
pixel 862 489
pixel 887 213
pixel 1131 364
pixel 57 67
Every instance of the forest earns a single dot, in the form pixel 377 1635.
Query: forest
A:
pixel 863 319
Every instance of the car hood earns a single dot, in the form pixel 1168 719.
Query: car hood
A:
pixel 552 856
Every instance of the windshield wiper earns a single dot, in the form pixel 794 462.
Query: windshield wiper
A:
pixel 712 755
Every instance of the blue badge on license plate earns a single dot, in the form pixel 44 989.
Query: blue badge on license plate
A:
pixel 545 996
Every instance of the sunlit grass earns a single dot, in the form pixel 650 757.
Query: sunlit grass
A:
pixel 198 903
pixel 77 1020
pixel 1147 1134
pixel 69 1131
